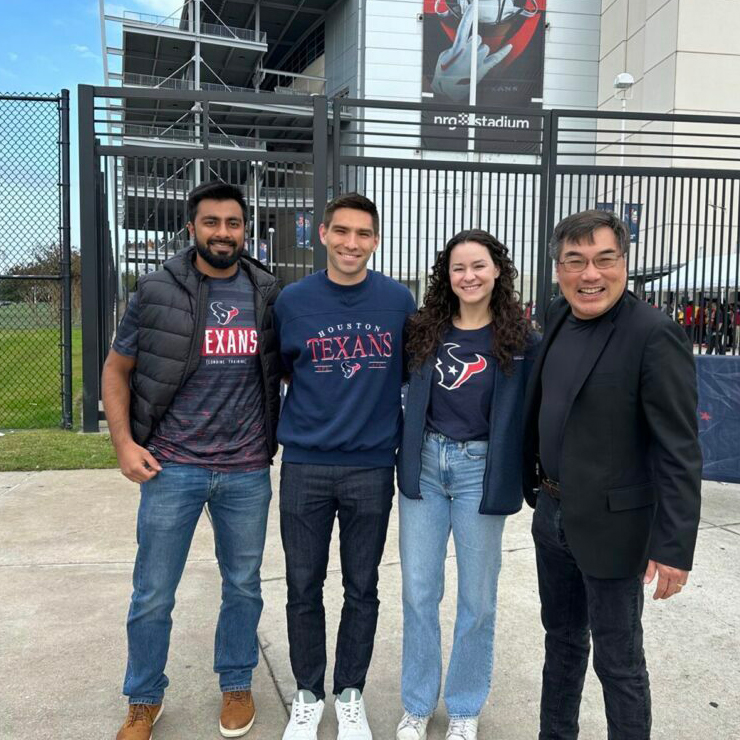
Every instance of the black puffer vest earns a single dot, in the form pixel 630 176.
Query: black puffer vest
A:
pixel 172 317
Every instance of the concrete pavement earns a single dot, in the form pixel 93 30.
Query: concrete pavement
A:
pixel 68 543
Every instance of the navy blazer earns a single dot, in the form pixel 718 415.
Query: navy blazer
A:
pixel 502 481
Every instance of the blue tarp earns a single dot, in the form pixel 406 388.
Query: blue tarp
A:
pixel 718 413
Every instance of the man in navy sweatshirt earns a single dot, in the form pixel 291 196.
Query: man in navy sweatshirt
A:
pixel 341 334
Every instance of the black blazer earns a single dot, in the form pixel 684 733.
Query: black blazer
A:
pixel 630 462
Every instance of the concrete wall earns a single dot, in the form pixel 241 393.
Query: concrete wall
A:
pixel 683 54
pixel 341 48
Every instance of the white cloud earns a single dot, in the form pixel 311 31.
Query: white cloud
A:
pixel 12 56
pixel 84 51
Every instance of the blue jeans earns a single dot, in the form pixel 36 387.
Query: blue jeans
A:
pixel 311 498
pixel 574 605
pixel 451 486
pixel 171 504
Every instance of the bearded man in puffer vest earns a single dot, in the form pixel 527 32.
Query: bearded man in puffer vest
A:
pixel 191 395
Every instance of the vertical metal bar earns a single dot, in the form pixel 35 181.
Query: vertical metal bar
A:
pixel 66 261
pixel 726 286
pixel 320 154
pixel 89 258
pixel 454 205
pixel 661 266
pixel 336 147
pixel 736 310
pixel 445 234
pixel 547 212
pixel 524 235
pixel 392 217
pixel 418 232
pixel 704 186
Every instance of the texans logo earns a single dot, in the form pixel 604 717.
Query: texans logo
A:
pixel 349 369
pixel 453 372
pixel 223 315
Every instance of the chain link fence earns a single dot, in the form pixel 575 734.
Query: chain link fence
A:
pixel 36 264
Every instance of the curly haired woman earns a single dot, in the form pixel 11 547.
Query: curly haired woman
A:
pixel 459 469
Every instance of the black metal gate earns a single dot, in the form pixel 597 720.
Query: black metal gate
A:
pixel 425 197
pixel 158 145
pixel 673 178
pixel 36 262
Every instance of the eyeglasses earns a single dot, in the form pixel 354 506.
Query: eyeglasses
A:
pixel 579 264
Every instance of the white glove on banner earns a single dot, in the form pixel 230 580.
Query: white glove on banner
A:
pixel 452 74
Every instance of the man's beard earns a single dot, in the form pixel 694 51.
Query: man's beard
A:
pixel 219 261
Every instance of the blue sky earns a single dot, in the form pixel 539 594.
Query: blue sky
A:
pixel 47 45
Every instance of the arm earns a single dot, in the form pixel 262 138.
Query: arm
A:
pixel 669 397
pixel 136 462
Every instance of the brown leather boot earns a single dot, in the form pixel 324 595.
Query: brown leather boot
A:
pixel 237 713
pixel 139 722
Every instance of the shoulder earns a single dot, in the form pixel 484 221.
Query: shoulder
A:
pixel 644 319
pixel 296 296
pixel 154 281
pixel 259 274
pixel 393 290
pixel 308 285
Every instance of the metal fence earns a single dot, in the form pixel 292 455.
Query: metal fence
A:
pixel 36 281
pixel 673 178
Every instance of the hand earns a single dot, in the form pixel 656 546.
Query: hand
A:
pixel 452 74
pixel 670 580
pixel 137 463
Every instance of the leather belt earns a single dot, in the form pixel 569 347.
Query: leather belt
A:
pixel 551 488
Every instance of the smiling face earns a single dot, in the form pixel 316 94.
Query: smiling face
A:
pixel 218 232
pixel 473 274
pixel 594 291
pixel 350 241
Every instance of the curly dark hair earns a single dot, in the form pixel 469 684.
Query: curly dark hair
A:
pixel 426 329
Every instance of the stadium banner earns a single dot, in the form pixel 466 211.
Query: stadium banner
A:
pixel 718 412
pixel 303 222
pixel 510 52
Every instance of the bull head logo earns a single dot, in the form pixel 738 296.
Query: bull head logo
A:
pixel 454 372
pixel 222 313
pixel 349 368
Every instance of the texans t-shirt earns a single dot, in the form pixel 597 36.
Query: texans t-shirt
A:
pixel 216 420
pixel 462 385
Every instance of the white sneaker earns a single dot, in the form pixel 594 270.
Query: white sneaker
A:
pixel 351 716
pixel 463 729
pixel 411 727
pixel 305 715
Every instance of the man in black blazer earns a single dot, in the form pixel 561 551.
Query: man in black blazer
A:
pixel 613 470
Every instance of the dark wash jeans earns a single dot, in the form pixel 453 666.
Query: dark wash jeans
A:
pixel 574 605
pixel 311 496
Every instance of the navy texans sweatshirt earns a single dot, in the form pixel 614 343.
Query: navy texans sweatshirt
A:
pixel 342 346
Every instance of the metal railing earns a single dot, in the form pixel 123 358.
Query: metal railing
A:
pixel 154 20
pixel 231 32
pixel 166 83
pixel 189 136
pixel 208 29
pixel 170 185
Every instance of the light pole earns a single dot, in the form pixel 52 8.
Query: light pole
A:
pixel 623 83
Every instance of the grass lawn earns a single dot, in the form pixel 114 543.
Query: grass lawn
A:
pixel 55 449
pixel 30 367
pixel 30 396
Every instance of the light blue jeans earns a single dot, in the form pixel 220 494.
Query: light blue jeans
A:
pixel 451 486
pixel 171 504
